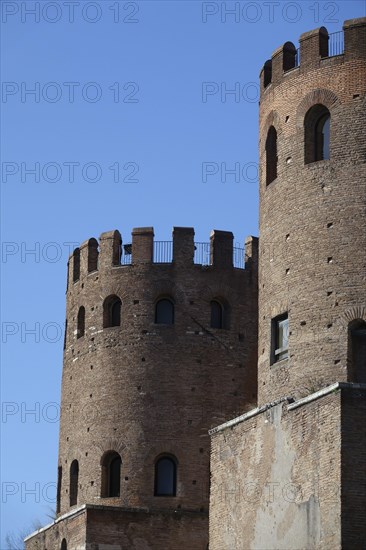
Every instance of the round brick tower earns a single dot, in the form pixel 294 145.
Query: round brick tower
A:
pixel 312 262
pixel 158 349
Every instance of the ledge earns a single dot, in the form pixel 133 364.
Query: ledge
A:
pixel 67 515
pixel 292 404
pixel 325 391
pixel 246 416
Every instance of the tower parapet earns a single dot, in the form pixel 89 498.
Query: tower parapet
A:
pixel 317 49
pixel 181 250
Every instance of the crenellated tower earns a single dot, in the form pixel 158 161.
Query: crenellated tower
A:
pixel 161 345
pixel 312 286
pixel 291 473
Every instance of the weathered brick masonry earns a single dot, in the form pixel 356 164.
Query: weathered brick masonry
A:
pixel 292 476
pixel 144 389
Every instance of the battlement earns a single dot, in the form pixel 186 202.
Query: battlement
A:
pixel 110 251
pixel 316 47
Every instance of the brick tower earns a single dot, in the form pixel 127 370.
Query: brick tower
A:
pixel 312 213
pixel 158 349
pixel 292 473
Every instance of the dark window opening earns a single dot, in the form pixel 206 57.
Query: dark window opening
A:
pixel 112 312
pixel 166 477
pixel 217 315
pixel 279 338
pixel 74 481
pixel 267 76
pixel 115 477
pixel 357 351
pixel 164 312
pixel 93 254
pixel 63 544
pixel 289 56
pixel 65 335
pixel 322 133
pixel 116 314
pixel 317 134
pixel 76 265
pixel 81 322
pixel 111 475
pixel 59 485
pixel 271 155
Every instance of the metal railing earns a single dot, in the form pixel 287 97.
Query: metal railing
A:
pixel 202 254
pixel 126 254
pixel 163 254
pixel 239 257
pixel 297 58
pixel 336 44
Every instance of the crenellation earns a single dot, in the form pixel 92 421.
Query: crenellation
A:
pixel 316 50
pixel 84 257
pixel 313 47
pixel 355 38
pixel 110 249
pixel 183 245
pixel 251 253
pixel 142 245
pixel 265 76
pixel 221 249
pixel 283 59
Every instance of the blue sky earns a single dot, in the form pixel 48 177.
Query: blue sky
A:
pixel 116 134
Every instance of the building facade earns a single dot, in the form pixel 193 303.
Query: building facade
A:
pixel 167 341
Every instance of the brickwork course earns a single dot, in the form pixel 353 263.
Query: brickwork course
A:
pixel 286 468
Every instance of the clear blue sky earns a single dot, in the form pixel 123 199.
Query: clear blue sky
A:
pixel 157 55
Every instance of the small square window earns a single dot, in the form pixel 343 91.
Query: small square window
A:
pixel 279 338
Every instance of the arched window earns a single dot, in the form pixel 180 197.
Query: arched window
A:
pixel 271 155
pixel 317 134
pixel 59 484
pixel 63 544
pixel 166 476
pixel 220 313
pixel 111 474
pixel 81 322
pixel 74 482
pixel 76 265
pixel 112 312
pixel 357 351
pixel 164 312
pixel 217 314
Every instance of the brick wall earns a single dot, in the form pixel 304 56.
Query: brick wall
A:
pixel 276 479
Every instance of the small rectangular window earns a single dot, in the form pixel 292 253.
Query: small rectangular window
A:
pixel 279 338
